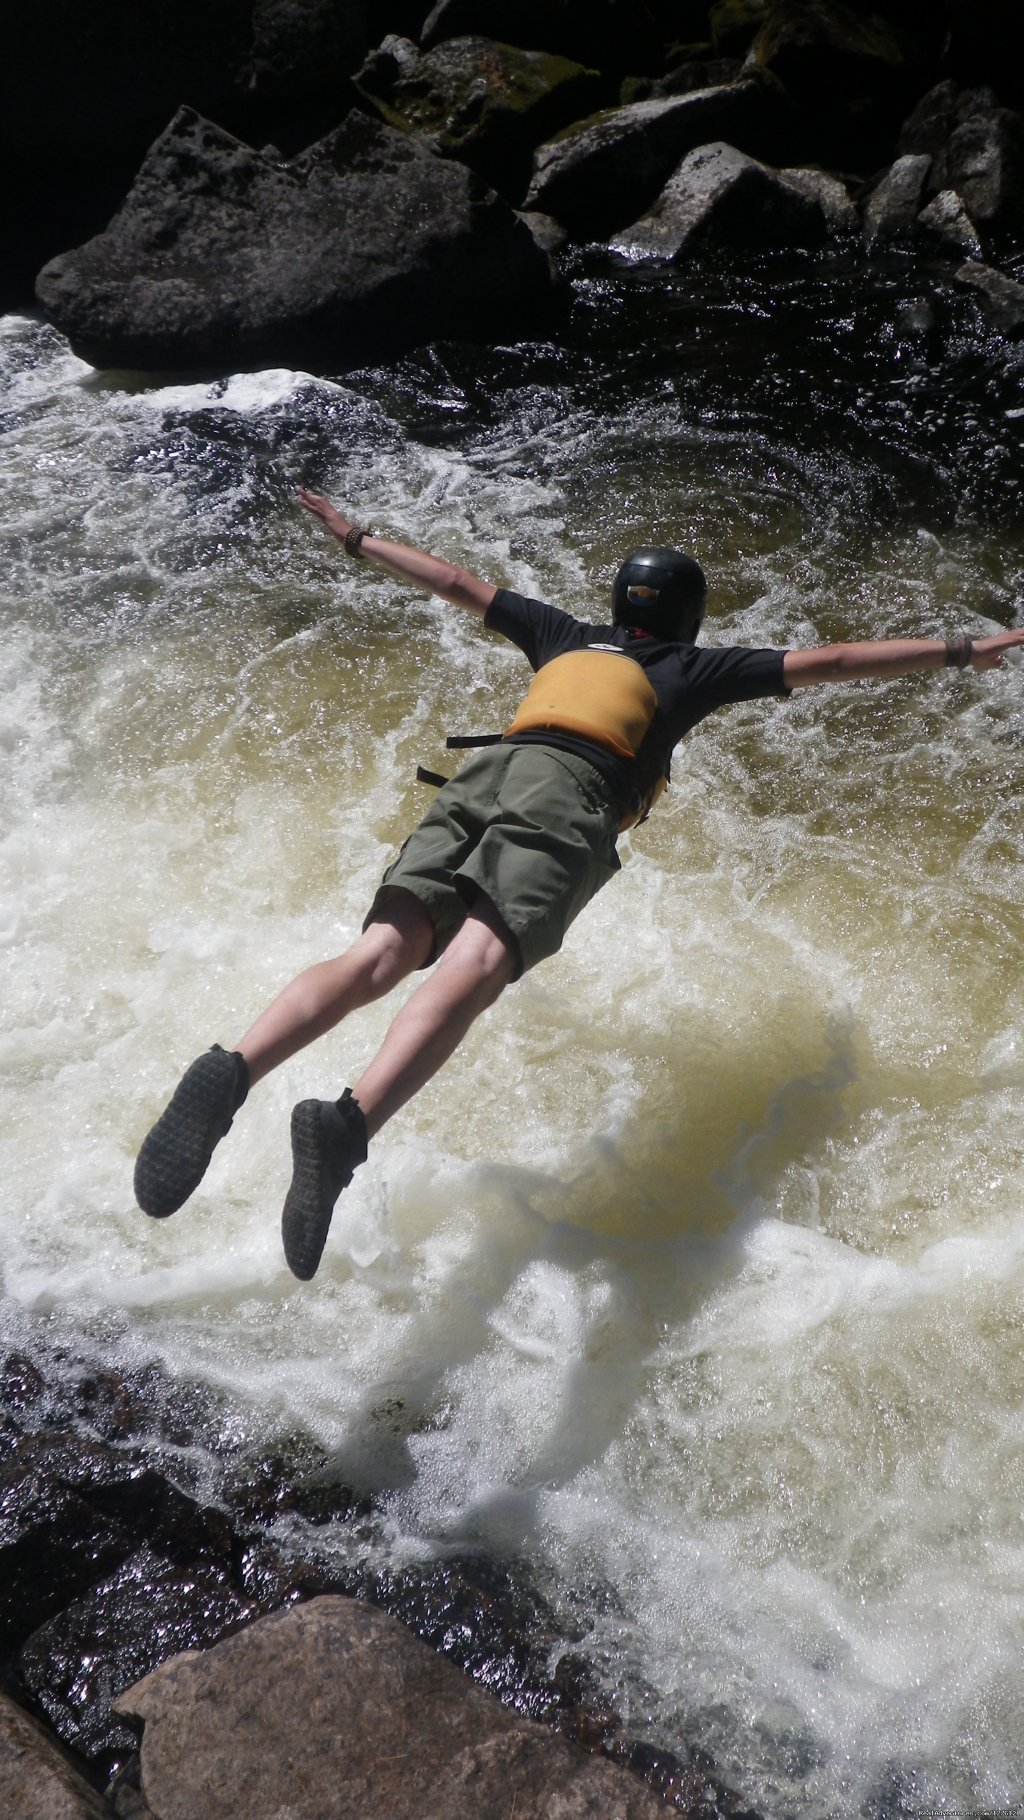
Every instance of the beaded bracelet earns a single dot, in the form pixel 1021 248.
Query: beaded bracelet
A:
pixel 353 539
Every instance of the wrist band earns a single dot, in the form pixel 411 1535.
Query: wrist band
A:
pixel 959 651
pixel 352 540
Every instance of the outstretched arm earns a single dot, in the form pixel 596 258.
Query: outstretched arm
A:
pixel 894 657
pixel 409 564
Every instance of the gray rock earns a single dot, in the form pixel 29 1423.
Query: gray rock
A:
pixel 718 195
pixel 333 1711
pixel 487 104
pixel 365 244
pixel 986 167
pixel 926 131
pixel 37 1780
pixel 894 205
pixel 946 222
pixel 605 172
pixel 1001 297
pixel 548 233
pixel 829 192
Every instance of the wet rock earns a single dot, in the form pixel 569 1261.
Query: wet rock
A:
pixel 37 1780
pixel 947 224
pixel 895 203
pixel 605 172
pixel 986 167
pixel 831 194
pixel 54 1543
pixel 122 1628
pixel 1001 297
pixel 358 248
pixel 488 104
pixel 332 1710
pixel 720 197
pixel 548 233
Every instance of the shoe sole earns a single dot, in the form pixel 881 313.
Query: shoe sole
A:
pixel 308 1207
pixel 176 1155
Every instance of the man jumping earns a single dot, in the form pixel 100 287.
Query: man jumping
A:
pixel 511 851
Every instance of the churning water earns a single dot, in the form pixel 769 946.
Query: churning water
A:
pixel 695 1281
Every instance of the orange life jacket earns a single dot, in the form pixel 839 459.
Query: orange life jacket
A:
pixel 605 697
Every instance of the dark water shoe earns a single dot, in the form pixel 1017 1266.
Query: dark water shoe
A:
pixel 174 1158
pixel 328 1143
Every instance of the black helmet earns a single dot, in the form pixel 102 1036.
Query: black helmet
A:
pixel 660 591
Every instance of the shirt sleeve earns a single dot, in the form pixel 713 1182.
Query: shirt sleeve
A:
pixel 737 673
pixel 541 631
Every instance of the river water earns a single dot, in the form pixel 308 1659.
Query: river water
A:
pixel 694 1283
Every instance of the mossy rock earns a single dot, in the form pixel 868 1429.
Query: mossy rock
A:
pixel 485 103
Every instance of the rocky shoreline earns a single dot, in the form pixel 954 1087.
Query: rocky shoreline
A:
pixel 112 1566
pixel 436 183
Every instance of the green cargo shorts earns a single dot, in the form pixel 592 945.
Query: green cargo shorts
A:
pixel 531 827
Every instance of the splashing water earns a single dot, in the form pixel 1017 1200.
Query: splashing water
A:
pixel 696 1279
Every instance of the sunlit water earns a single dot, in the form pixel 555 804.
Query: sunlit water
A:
pixel 695 1281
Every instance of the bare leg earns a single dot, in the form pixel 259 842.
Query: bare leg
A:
pixel 397 942
pixel 471 975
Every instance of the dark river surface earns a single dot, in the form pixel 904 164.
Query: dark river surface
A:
pixel 693 1287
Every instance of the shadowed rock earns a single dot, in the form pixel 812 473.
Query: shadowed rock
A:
pixel 364 245
pixel 605 172
pixel 986 167
pixel 718 196
pixel 947 224
pixel 849 70
pixel 831 194
pixel 894 204
pixel 331 1711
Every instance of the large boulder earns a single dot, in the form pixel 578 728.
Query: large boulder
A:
pixel 332 1711
pixel 976 148
pixel 488 104
pixel 602 174
pixel 718 196
pixel 223 256
pixel 986 167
